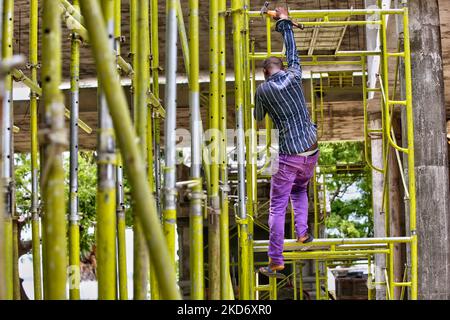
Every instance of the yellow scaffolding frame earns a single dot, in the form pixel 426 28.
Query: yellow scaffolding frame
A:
pixel 325 250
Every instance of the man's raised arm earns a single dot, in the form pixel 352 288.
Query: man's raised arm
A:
pixel 284 26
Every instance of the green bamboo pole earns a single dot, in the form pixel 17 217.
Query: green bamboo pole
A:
pixel 106 193
pixel 154 49
pixel 196 213
pixel 120 195
pixel 214 199
pixel 74 227
pixel 140 254
pixel 225 289
pixel 169 213
pixel 244 274
pixel 144 202
pixel 52 180
pixel 35 220
pixel 141 87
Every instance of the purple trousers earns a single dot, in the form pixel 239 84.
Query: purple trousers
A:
pixel 290 180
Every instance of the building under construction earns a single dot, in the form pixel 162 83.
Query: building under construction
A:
pixel 163 93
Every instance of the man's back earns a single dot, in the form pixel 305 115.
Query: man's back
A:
pixel 282 97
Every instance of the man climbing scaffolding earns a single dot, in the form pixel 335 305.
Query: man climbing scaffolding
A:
pixel 281 97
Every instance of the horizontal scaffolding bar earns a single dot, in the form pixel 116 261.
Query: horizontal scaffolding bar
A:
pixel 292 244
pixel 19 76
pixel 340 23
pixel 310 14
pixel 324 255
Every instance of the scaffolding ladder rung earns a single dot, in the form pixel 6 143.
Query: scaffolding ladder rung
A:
pixel 263 288
pixel 396 54
pixel 402 284
pixel 399 102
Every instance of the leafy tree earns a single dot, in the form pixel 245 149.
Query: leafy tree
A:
pixel 87 193
pixel 350 216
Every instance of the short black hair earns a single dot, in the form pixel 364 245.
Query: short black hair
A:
pixel 272 61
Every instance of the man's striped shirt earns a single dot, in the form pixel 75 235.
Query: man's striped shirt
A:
pixel 282 97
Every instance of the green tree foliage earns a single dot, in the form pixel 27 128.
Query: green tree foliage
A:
pixel 351 216
pixel 87 193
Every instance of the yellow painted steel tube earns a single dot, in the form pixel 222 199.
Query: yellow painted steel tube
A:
pixel 366 119
pixel 214 148
pixel 3 278
pixel 196 214
pixel 52 178
pixel 74 261
pixel 6 117
pixel 251 148
pixel 73 10
pixel 323 255
pixel 244 275
pixel 143 199
pixel 154 51
pixel 385 89
pixel 170 196
pixel 226 291
pixel 342 241
pixel 106 192
pixel 411 160
pixel 74 231
pixel 122 256
pixel 183 38
pixel 8 251
pixel 299 14
pixel 141 259
pixel 120 205
pixel 106 244
pixel 34 87
pixel 35 219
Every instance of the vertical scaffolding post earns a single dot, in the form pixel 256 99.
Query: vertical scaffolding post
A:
pixel 411 159
pixel 144 203
pixel 3 278
pixel 35 219
pixel 196 213
pixel 74 227
pixel 225 279
pixel 244 275
pixel 52 177
pixel 214 200
pixel 170 192
pixel 154 51
pixel 140 258
pixel 106 192
pixel 6 136
pixel 141 82
pixel 120 194
pixel 184 42
pixel 250 141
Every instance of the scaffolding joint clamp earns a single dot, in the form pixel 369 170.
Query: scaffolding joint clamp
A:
pixel 30 65
pixel 241 221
